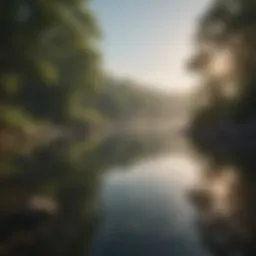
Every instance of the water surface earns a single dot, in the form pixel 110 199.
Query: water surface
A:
pixel 126 195
pixel 145 209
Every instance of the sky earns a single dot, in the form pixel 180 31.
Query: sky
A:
pixel 149 40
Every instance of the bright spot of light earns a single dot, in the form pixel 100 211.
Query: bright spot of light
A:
pixel 222 64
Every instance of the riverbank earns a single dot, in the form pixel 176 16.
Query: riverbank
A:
pixel 14 140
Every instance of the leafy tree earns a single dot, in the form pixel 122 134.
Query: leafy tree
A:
pixel 48 57
pixel 225 61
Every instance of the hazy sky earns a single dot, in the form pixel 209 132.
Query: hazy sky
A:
pixel 149 40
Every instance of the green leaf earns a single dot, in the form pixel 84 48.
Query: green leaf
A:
pixel 48 72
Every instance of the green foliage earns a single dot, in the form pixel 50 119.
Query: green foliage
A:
pixel 48 53
pixel 228 87
pixel 16 119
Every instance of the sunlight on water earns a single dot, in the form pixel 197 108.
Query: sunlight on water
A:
pixel 147 204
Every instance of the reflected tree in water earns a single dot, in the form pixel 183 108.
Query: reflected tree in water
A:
pixel 48 205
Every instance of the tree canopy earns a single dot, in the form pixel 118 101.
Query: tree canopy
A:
pixel 49 57
pixel 225 61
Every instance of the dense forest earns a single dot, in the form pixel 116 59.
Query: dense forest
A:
pixel 225 62
pixel 49 60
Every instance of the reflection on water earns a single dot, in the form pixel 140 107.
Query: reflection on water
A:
pixel 47 203
pixel 224 198
pixel 146 212
pixel 225 203
pixel 125 195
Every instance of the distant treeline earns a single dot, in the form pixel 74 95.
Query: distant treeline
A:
pixel 124 99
